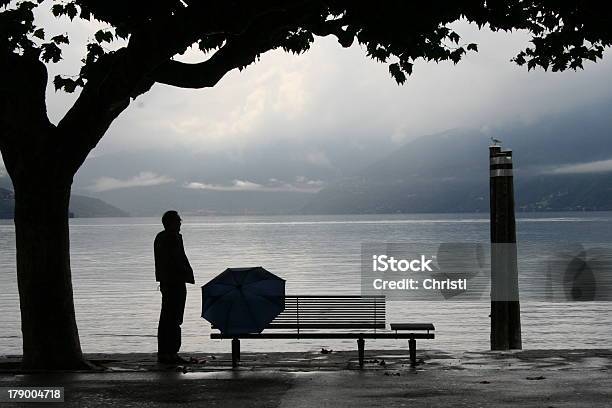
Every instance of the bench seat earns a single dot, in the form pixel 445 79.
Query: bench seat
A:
pixel 334 317
pixel 338 335
pixel 412 326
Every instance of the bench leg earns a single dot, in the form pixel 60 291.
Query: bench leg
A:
pixel 412 347
pixel 235 352
pixel 361 348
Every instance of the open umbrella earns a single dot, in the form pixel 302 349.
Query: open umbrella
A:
pixel 243 300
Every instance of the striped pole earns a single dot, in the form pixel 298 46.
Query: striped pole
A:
pixel 505 307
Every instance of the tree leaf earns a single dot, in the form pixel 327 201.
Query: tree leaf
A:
pixel 397 73
pixel 58 82
pixel 103 36
pixel 406 67
pixel 60 39
pixel 58 10
pixel 50 52
pixel 531 64
pixel 71 10
pixel 40 33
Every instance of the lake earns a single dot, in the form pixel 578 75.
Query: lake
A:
pixel 117 300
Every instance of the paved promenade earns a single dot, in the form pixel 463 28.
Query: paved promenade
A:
pixel 557 378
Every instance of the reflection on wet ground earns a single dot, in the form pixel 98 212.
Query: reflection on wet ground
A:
pixel 585 359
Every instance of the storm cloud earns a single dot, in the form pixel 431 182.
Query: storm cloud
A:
pixel 143 179
pixel 599 166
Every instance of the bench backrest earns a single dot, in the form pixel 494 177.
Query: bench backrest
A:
pixel 331 312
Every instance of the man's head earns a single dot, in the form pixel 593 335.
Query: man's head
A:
pixel 171 221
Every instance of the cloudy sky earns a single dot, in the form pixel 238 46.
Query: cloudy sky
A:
pixel 329 100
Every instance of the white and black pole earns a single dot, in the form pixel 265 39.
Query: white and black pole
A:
pixel 505 306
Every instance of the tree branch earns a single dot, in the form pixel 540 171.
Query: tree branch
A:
pixel 116 78
pixel 260 35
pixel 207 74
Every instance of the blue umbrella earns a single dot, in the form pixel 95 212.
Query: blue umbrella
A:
pixel 243 300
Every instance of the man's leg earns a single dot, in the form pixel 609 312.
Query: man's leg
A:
pixel 179 298
pixel 171 318
pixel 162 328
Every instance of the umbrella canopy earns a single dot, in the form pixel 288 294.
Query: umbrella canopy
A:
pixel 243 300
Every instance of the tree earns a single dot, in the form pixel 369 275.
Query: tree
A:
pixel 42 158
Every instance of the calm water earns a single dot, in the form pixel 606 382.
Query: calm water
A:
pixel 117 301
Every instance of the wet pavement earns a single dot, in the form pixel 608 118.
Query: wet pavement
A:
pixel 542 378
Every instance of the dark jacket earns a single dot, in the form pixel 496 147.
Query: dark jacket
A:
pixel 171 263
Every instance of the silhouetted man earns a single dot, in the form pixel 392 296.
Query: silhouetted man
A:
pixel 172 271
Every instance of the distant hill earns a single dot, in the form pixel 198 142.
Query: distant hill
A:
pixel 448 172
pixel 287 161
pixel 154 200
pixel 88 207
pixel 80 206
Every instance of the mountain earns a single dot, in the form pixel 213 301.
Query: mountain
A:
pixel 80 206
pixel 562 163
pixel 266 178
pixel 154 200
pixel 88 207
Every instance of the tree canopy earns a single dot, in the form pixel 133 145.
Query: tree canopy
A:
pixel 234 34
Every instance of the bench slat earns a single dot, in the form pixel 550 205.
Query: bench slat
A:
pixel 321 326
pixel 315 317
pixel 332 314
pixel 355 305
pixel 303 319
pixel 412 326
pixel 352 335
pixel 380 297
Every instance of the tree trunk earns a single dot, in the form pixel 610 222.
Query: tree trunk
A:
pixel 48 325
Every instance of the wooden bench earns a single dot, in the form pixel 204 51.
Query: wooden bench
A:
pixel 335 317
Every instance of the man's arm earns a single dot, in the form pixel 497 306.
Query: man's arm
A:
pixel 188 270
